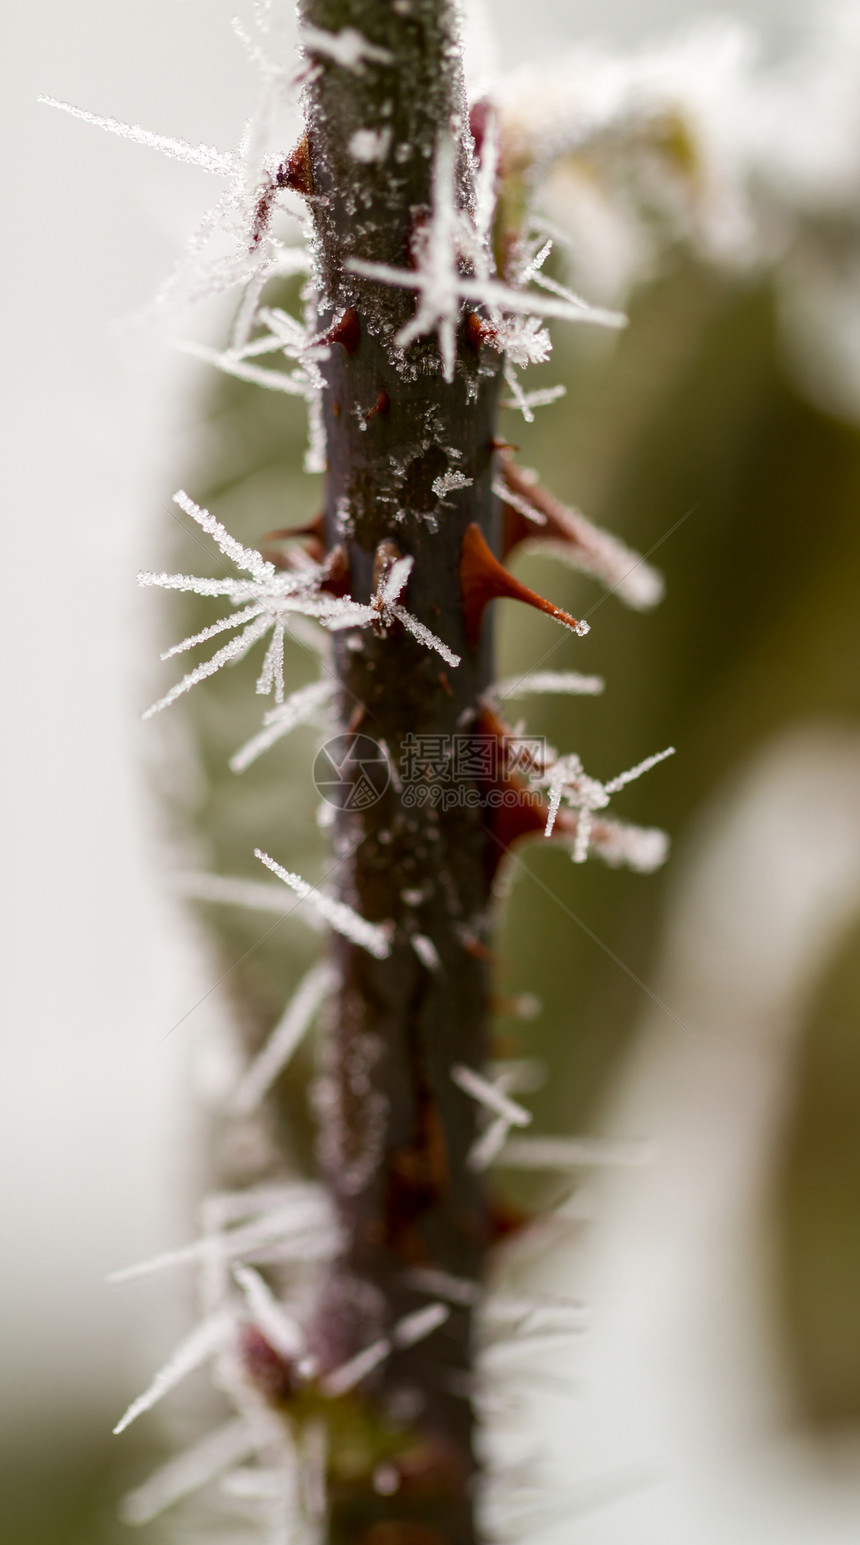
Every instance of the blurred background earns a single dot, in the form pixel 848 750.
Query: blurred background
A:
pixel 713 1009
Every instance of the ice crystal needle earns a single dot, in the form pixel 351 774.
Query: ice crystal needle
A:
pixel 223 164
pixel 203 1342
pixel 373 937
pixel 286 1036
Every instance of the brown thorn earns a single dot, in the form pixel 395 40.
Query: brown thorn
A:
pixel 484 579
pixel 475 330
pixel 346 330
pixel 479 118
pixel 558 522
pixel 382 405
pixel 336 581
pixel 295 172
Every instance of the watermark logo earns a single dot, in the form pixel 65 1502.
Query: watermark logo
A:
pixel 351 772
pixel 447 772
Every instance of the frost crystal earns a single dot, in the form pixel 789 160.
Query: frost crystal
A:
pixel 446 482
pixel 345 1377
pixel 273 597
pixel 349 48
pixel 255 895
pixel 373 937
pixel 294 1218
pixel 416 1327
pixel 223 164
pixel 426 951
pixel 189 1471
pixel 302 707
pixel 615 784
pixel 547 681
pixel 489 1095
pixel 616 842
pixel 279 1328
pixel 294 385
pixel 370 144
pixel 385 609
pixel 296 1020
pixel 437 274
pixel 489 1145
pixel 571 1152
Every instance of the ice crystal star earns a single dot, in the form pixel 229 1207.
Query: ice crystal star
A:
pixel 385 609
pixel 266 602
pixel 617 842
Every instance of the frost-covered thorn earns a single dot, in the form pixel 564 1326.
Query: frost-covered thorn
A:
pixel 335 578
pixel 484 579
pixel 533 515
pixel 295 172
pixel 490 1096
pixel 480 114
pixel 346 330
pixel 312 530
pixel 273 1373
pixel 476 330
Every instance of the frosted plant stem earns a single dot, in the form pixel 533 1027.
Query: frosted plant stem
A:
pixel 396 1157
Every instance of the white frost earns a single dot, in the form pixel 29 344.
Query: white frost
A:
pixel 222 163
pixel 373 937
pixel 370 145
pixel 416 1327
pixel 636 772
pixel 571 1152
pixel 489 1095
pixel 436 276
pixel 349 48
pixel 296 1020
pixel 344 1378
pixel 188 1471
pixel 300 708
pixel 547 681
